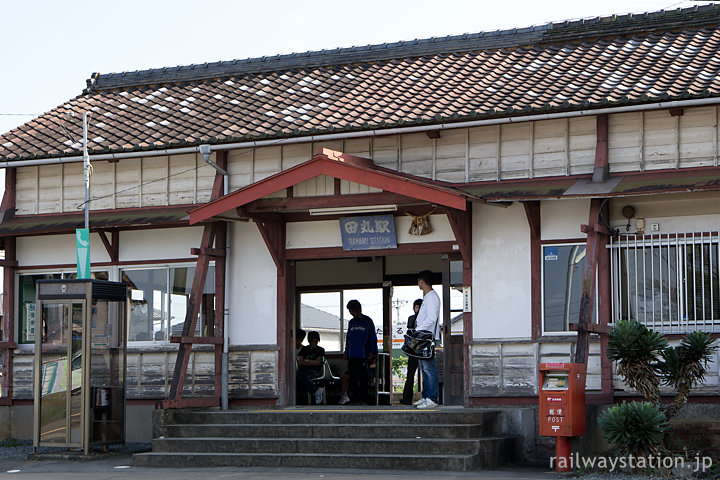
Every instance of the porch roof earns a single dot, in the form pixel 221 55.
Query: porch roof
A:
pixel 57 223
pixel 618 185
pixel 341 166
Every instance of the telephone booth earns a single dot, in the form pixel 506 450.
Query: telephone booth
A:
pixel 80 363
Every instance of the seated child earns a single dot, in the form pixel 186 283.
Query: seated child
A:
pixel 310 360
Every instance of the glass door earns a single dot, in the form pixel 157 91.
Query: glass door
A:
pixel 59 367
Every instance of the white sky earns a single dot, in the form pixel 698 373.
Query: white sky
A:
pixel 49 48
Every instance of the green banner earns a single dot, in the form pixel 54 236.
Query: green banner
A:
pixel 82 244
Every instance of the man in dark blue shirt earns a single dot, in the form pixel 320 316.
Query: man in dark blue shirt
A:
pixel 360 346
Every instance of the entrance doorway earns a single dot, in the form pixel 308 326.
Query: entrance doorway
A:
pixel 386 288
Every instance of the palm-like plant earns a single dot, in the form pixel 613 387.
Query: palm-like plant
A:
pixel 637 351
pixel 684 366
pixel 635 428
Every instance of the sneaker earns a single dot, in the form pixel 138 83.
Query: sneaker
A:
pixel 428 404
pixel 419 402
pixel 344 400
pixel 319 395
pixel 405 402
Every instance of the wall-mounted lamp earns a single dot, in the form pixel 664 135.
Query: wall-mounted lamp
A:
pixel 628 212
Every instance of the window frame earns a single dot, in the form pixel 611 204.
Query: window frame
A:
pixel 679 319
pixel 29 344
pixel 168 300
pixel 562 243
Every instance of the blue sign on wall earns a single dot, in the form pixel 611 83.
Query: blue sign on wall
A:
pixel 368 233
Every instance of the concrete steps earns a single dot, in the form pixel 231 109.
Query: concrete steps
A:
pixel 393 438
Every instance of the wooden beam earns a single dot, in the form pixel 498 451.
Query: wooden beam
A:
pixel 7 211
pixel 7 207
pixel 8 320
pixel 373 177
pixel 218 321
pixel 601 171
pixel 338 252
pixel 461 224
pixel 113 249
pixel 193 309
pixel 274 234
pixel 302 204
pixel 211 252
pixel 189 403
pixel 532 211
pixel 592 250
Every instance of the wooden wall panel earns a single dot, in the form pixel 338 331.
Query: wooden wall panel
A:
pixel 49 188
pixel 451 155
pixel 484 153
pixel 360 147
pixel 205 179
pixel 26 190
pixel 318 186
pixel 416 154
pixel 550 148
pixel 241 168
pixel 295 154
pixel 154 178
pixel 698 132
pixel 102 186
pixel 582 141
pixel 516 145
pixel 660 144
pixel 182 186
pixel 625 140
pixel 127 183
pixel 386 150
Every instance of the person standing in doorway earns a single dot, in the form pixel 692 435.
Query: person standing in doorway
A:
pixel 360 346
pixel 412 361
pixel 428 319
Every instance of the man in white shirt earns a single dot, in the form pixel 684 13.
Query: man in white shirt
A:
pixel 428 319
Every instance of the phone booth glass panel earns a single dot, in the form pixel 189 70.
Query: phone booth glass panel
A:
pixel 80 363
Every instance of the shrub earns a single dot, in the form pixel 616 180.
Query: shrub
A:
pixel 635 428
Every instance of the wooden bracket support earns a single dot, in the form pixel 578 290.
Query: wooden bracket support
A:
pixel 113 248
pixel 274 235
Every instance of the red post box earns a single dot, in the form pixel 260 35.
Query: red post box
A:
pixel 562 406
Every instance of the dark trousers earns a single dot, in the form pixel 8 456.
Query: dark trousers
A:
pixel 357 369
pixel 410 379
pixel 303 376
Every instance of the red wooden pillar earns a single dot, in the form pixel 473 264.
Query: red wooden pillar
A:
pixel 272 229
pixel 7 342
pixel 461 223
pixel 532 211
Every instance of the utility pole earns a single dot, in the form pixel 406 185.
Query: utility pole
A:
pixel 86 171
pixel 82 235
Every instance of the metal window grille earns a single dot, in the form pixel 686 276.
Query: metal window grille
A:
pixel 667 282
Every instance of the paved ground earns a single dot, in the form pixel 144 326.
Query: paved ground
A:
pixel 120 467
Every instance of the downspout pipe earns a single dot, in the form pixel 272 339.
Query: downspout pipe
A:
pixel 369 133
pixel 224 401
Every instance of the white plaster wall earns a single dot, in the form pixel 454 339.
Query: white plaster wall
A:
pixel 674 213
pixel 170 243
pixel 56 249
pixel 326 233
pixel 252 293
pixel 501 272
pixel 561 219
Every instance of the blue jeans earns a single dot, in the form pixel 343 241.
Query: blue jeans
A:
pixel 430 379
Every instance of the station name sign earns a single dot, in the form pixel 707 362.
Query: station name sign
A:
pixel 368 233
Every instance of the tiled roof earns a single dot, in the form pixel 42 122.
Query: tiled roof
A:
pixel 557 67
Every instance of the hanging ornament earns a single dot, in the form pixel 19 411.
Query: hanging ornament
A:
pixel 420 224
